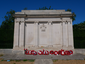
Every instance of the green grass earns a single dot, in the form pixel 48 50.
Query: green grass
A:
pixel 2 60
pixel 55 60
pixel 1 54
pixel 18 60
pixel 51 57
pixel 31 60
pixel 67 59
pixel 11 60
pixel 25 60
pixel 14 63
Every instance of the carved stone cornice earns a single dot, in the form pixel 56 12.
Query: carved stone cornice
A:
pixel 70 22
pixel 36 21
pixel 22 21
pixel 63 20
pixel 49 21
pixel 42 15
pixel 17 21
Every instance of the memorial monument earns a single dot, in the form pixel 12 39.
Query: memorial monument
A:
pixel 43 29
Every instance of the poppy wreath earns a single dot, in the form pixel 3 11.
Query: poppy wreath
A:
pixel 71 52
pixel 66 52
pixel 43 52
pixel 55 53
pixel 40 52
pixel 62 52
pixel 26 51
pixel 59 52
pixel 46 53
pixel 51 52
pixel 34 53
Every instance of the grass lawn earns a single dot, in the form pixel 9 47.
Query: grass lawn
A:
pixel 25 61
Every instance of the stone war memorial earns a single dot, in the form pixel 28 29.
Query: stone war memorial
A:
pixel 43 29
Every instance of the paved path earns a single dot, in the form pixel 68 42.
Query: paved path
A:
pixel 43 61
pixel 21 57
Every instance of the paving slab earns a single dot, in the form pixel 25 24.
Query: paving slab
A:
pixel 43 61
pixel 28 57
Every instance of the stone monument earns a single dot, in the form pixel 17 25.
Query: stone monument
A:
pixel 43 29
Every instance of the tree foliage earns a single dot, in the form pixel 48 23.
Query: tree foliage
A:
pixel 8 23
pixel 80 26
pixel 79 35
pixel 74 15
pixel 7 30
pixel 45 8
pixel 25 8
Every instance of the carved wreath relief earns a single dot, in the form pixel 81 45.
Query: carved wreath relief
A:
pixel 43 28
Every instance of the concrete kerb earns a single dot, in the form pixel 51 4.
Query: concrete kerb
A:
pixel 53 57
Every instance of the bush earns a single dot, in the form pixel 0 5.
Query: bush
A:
pixel 6 38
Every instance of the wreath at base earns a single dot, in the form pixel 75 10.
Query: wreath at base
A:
pixel 45 52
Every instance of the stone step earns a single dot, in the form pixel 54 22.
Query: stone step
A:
pixel 43 61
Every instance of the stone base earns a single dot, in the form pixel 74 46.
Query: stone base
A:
pixel 18 52
pixel 36 48
pixel 18 48
pixel 68 48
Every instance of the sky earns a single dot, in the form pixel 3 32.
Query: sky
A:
pixel 77 6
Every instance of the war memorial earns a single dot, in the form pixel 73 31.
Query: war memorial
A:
pixel 43 29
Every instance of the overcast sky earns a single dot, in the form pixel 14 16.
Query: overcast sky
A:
pixel 77 6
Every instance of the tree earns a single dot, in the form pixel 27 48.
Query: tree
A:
pixel 25 8
pixel 8 23
pixel 79 26
pixel 79 35
pixel 73 17
pixel 45 8
pixel 7 30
